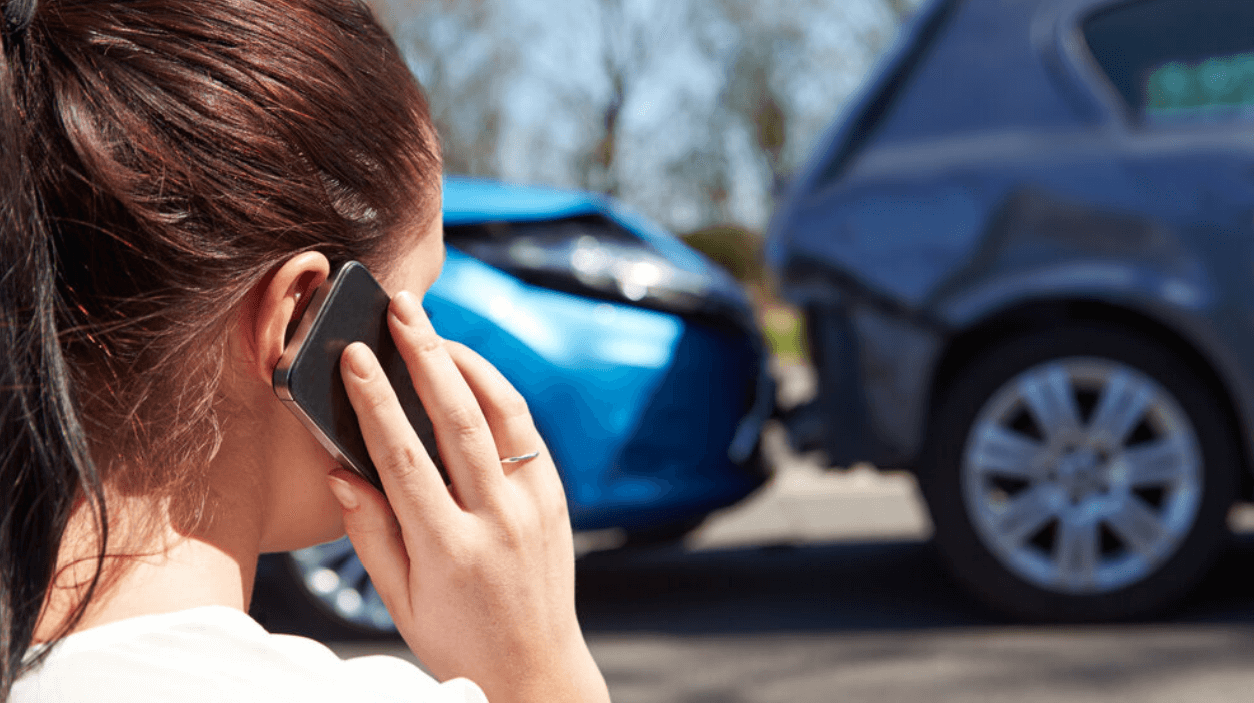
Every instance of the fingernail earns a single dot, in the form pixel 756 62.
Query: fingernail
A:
pixel 358 357
pixel 342 492
pixel 405 307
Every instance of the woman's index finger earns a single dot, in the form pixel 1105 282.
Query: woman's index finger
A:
pixel 461 430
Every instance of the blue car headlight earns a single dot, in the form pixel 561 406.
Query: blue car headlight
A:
pixel 593 256
pixel 626 270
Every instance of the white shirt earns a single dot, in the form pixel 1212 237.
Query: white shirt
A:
pixel 217 654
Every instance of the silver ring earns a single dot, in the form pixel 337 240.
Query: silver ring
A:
pixel 517 459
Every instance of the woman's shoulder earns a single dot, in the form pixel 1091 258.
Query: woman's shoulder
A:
pixel 215 654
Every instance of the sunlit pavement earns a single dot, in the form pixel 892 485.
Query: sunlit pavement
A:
pixel 806 503
pixel 823 587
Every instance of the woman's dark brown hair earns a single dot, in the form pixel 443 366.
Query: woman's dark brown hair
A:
pixel 158 158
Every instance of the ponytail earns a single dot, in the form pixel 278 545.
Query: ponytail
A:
pixel 45 467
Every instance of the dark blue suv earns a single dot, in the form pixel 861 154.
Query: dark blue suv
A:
pixel 1026 257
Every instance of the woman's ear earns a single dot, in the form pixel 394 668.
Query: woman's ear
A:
pixel 276 304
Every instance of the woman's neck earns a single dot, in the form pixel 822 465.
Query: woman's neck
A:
pixel 151 567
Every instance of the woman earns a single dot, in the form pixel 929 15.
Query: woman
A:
pixel 177 178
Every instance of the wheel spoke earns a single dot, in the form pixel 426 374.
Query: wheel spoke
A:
pixel 1026 514
pixel 352 573
pixel 1121 407
pixel 1137 525
pixel 1004 452
pixel 375 609
pixel 1159 463
pixel 323 554
pixel 1051 399
pixel 1077 551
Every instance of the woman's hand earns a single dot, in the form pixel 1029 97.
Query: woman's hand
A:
pixel 478 575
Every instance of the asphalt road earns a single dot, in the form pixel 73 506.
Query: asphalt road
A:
pixel 864 621
pixel 824 587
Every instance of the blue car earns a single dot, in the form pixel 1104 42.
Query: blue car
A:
pixel 639 358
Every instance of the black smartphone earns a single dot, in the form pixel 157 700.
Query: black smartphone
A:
pixel 348 307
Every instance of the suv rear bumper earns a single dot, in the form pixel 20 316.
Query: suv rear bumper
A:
pixel 870 403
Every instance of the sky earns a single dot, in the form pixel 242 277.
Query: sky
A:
pixel 540 69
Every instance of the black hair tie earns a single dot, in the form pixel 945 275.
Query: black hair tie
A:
pixel 18 16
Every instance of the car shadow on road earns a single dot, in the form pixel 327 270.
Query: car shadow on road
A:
pixel 859 586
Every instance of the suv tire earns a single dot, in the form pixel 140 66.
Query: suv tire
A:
pixel 1111 517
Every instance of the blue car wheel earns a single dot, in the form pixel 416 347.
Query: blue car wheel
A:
pixel 334 581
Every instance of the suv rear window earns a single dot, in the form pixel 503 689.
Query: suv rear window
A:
pixel 1179 61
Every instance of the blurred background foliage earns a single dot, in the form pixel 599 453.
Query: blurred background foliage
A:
pixel 736 249
pixel 693 112
pixel 739 250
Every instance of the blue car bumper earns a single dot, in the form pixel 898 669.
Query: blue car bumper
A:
pixel 652 419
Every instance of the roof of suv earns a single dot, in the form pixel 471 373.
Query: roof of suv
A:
pixel 939 80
